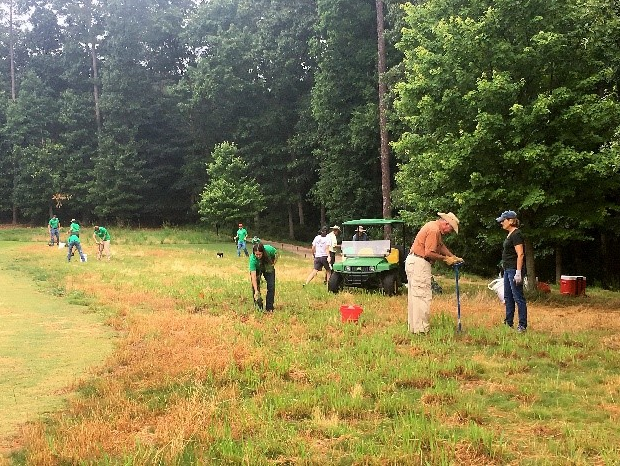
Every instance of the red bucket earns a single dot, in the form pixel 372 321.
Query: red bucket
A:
pixel 350 312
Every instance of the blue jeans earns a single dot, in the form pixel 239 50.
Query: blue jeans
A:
pixel 54 234
pixel 513 294
pixel 240 246
pixel 270 279
pixel 77 246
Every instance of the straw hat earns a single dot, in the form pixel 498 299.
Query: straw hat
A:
pixel 335 227
pixel 451 219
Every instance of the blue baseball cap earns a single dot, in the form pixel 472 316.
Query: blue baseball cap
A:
pixel 505 215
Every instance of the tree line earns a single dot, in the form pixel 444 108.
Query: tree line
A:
pixel 150 112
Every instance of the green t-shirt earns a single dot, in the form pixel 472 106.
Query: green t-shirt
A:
pixel 241 234
pixel 54 222
pixel 255 261
pixel 74 227
pixel 103 234
pixel 74 238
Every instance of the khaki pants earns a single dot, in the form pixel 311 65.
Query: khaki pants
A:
pixel 106 249
pixel 419 295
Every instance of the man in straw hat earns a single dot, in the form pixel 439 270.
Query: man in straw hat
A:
pixel 427 248
pixel 360 234
pixel 333 246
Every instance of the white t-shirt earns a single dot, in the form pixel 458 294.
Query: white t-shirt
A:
pixel 333 241
pixel 321 246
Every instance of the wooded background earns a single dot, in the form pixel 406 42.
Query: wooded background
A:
pixel 150 112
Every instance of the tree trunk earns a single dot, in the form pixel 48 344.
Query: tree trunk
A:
pixel 93 55
pixel 300 211
pixel 606 260
pixel 558 264
pixel 386 187
pixel 530 265
pixel 12 52
pixel 13 95
pixel 323 215
pixel 291 223
pixel 94 66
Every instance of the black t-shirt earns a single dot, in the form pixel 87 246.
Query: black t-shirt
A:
pixel 509 254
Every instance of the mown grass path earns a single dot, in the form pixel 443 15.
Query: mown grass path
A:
pixel 46 345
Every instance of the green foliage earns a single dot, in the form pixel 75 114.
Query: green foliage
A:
pixel 230 195
pixel 509 106
pixel 35 163
pixel 251 84
pixel 487 92
pixel 344 105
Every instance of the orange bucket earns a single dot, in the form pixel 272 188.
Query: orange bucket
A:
pixel 350 312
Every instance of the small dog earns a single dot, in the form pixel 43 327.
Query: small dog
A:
pixel 220 255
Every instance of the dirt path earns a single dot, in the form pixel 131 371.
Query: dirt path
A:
pixel 301 250
pixel 46 345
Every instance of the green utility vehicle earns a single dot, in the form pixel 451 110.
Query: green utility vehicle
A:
pixel 371 261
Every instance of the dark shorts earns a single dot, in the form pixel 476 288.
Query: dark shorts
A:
pixel 320 263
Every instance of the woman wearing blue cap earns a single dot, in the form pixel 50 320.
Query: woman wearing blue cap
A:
pixel 513 259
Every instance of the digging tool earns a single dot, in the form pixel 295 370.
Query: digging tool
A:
pixel 458 295
pixel 259 303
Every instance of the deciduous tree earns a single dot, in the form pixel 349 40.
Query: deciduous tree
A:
pixel 508 105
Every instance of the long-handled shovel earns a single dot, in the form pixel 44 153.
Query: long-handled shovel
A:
pixel 458 295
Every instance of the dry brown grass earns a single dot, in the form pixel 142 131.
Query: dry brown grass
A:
pixel 157 350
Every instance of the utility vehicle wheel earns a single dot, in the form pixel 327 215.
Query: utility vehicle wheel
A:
pixel 389 284
pixel 335 282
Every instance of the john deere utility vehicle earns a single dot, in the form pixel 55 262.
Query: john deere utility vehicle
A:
pixel 374 263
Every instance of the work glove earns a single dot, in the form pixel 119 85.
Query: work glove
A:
pixel 451 260
pixel 518 279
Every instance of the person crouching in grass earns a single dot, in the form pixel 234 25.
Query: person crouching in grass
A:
pixel 102 238
pixel 262 263
pixel 74 242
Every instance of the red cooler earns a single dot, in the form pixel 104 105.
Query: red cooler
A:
pixel 573 285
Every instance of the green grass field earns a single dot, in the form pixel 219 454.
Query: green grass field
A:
pixel 199 377
pixel 46 346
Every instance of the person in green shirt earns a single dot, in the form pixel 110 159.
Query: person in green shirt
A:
pixel 74 228
pixel 74 242
pixel 102 238
pixel 262 263
pixel 53 227
pixel 242 234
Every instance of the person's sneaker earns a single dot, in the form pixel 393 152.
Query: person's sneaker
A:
pixel 521 329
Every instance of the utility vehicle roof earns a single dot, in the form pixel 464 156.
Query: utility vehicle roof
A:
pixel 374 221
